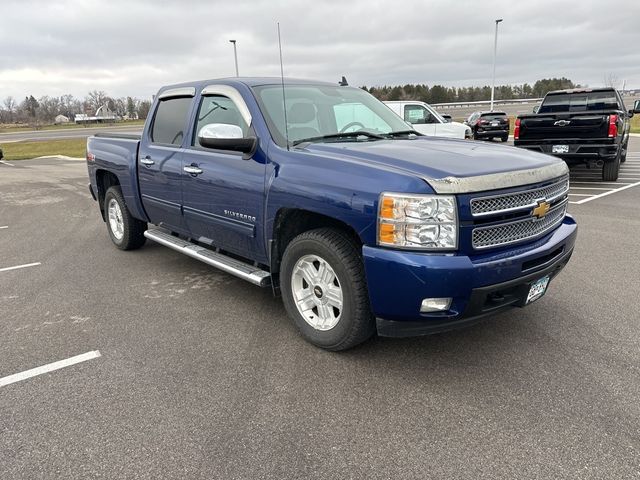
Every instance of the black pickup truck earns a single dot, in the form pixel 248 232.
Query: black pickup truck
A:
pixel 580 126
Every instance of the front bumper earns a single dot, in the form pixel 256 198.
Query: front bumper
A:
pixel 479 285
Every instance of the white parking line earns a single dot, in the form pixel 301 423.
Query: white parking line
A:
pixel 7 163
pixel 604 194
pixel 26 265
pixel 580 195
pixel 6 226
pixel 17 377
pixel 600 183
pixel 589 188
pixel 634 179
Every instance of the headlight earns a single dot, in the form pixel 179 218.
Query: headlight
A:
pixel 427 222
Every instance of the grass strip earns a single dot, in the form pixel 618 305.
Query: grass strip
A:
pixel 74 147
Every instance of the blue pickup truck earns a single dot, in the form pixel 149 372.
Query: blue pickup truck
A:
pixel 322 193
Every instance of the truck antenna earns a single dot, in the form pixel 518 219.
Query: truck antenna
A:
pixel 284 103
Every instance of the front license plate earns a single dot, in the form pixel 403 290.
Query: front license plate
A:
pixel 560 149
pixel 537 289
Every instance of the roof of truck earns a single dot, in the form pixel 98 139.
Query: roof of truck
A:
pixel 581 90
pixel 250 81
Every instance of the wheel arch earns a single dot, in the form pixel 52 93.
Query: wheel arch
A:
pixel 105 180
pixel 291 222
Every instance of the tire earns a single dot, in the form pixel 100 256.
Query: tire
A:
pixel 319 320
pixel 504 139
pixel 611 169
pixel 126 232
pixel 623 157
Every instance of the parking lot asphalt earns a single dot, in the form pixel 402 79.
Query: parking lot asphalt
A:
pixel 203 376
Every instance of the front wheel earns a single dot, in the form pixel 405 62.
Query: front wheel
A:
pixel 324 289
pixel 126 232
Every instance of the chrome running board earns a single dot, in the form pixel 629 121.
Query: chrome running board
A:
pixel 227 264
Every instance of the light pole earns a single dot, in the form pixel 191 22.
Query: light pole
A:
pixel 235 55
pixel 495 49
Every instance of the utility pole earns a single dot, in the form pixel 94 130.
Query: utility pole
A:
pixel 235 56
pixel 495 49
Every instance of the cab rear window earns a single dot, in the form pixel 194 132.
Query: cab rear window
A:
pixel 579 102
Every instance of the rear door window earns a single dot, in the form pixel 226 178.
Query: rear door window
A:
pixel 170 120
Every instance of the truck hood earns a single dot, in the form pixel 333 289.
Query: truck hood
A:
pixel 448 165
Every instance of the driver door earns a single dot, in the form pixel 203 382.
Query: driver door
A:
pixel 223 191
pixel 421 119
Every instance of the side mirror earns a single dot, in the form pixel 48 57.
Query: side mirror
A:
pixel 536 108
pixel 636 106
pixel 223 136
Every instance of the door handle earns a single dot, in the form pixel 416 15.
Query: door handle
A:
pixel 146 161
pixel 192 170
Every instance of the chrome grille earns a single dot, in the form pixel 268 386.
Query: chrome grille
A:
pixel 524 200
pixel 519 230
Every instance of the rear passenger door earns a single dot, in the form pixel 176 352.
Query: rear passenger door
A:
pixel 160 159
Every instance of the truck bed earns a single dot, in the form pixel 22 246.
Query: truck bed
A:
pixel 116 153
pixel 124 136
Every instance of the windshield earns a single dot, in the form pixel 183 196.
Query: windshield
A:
pixel 318 110
pixel 579 102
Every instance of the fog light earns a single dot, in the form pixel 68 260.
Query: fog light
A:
pixel 435 305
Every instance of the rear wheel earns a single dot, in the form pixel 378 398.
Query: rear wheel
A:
pixel 324 289
pixel 504 138
pixel 611 169
pixel 126 232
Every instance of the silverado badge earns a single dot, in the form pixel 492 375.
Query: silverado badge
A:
pixel 542 209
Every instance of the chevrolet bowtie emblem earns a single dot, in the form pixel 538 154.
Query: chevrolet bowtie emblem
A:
pixel 562 123
pixel 542 209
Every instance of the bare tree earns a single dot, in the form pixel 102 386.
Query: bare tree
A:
pixel 10 104
pixel 49 108
pixel 69 106
pixel 9 110
pixel 95 99
pixel 611 80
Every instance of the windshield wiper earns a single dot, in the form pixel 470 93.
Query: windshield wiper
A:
pixel 359 133
pixel 402 132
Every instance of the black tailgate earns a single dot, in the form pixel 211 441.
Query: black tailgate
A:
pixel 564 126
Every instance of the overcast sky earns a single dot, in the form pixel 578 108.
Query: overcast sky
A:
pixel 133 47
